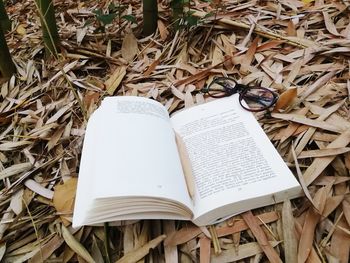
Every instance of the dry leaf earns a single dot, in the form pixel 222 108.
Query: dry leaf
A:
pixel 340 242
pixel 47 249
pixel 204 244
pixel 329 24
pixel 15 169
pixel 290 242
pixel 63 198
pixel 240 225
pixel 182 236
pixel 163 31
pixel 260 236
pixel 249 56
pixel 285 99
pixel 237 254
pixel 16 203
pixel 75 245
pixel 2 250
pixel 319 164
pixel 323 152
pixel 139 253
pixel 38 188
pixel 114 81
pixel 129 47
pixel 21 30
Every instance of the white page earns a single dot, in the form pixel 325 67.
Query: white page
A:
pixel 232 158
pixel 129 150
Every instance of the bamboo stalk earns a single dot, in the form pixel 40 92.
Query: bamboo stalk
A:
pixel 150 16
pixel 5 22
pixel 7 68
pixel 49 26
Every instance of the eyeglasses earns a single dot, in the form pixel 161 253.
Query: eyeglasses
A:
pixel 255 98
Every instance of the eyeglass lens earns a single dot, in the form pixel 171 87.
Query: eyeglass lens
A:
pixel 257 99
pixel 221 88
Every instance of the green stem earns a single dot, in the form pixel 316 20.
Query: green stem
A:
pixel 49 26
pixel 7 68
pixel 5 22
pixel 150 16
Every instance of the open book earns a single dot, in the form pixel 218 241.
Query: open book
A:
pixel 131 169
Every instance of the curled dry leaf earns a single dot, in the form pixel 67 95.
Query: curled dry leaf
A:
pixel 285 99
pixel 39 189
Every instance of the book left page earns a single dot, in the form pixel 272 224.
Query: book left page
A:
pixel 129 152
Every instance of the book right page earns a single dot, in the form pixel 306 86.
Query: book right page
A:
pixel 234 164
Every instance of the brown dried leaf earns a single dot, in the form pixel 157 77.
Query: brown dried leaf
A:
pixel 114 81
pixel 319 164
pixel 75 245
pixel 330 25
pixel 182 236
pixel 260 236
pixel 285 99
pixel 55 138
pixel 129 47
pixel 170 252
pixel 240 225
pixel 332 203
pixel 15 169
pixel 290 242
pixel 63 198
pixel 323 152
pixel 39 189
pixel 236 254
pixel 204 254
pixel 2 250
pixel 340 242
pixel 310 122
pixel 249 56
pixel 139 253
pixel 47 249
pixel 163 31
pixel 307 235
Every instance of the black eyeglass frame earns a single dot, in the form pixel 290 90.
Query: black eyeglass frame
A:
pixel 242 90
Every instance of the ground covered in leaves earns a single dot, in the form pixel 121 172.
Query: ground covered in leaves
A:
pixel 300 49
